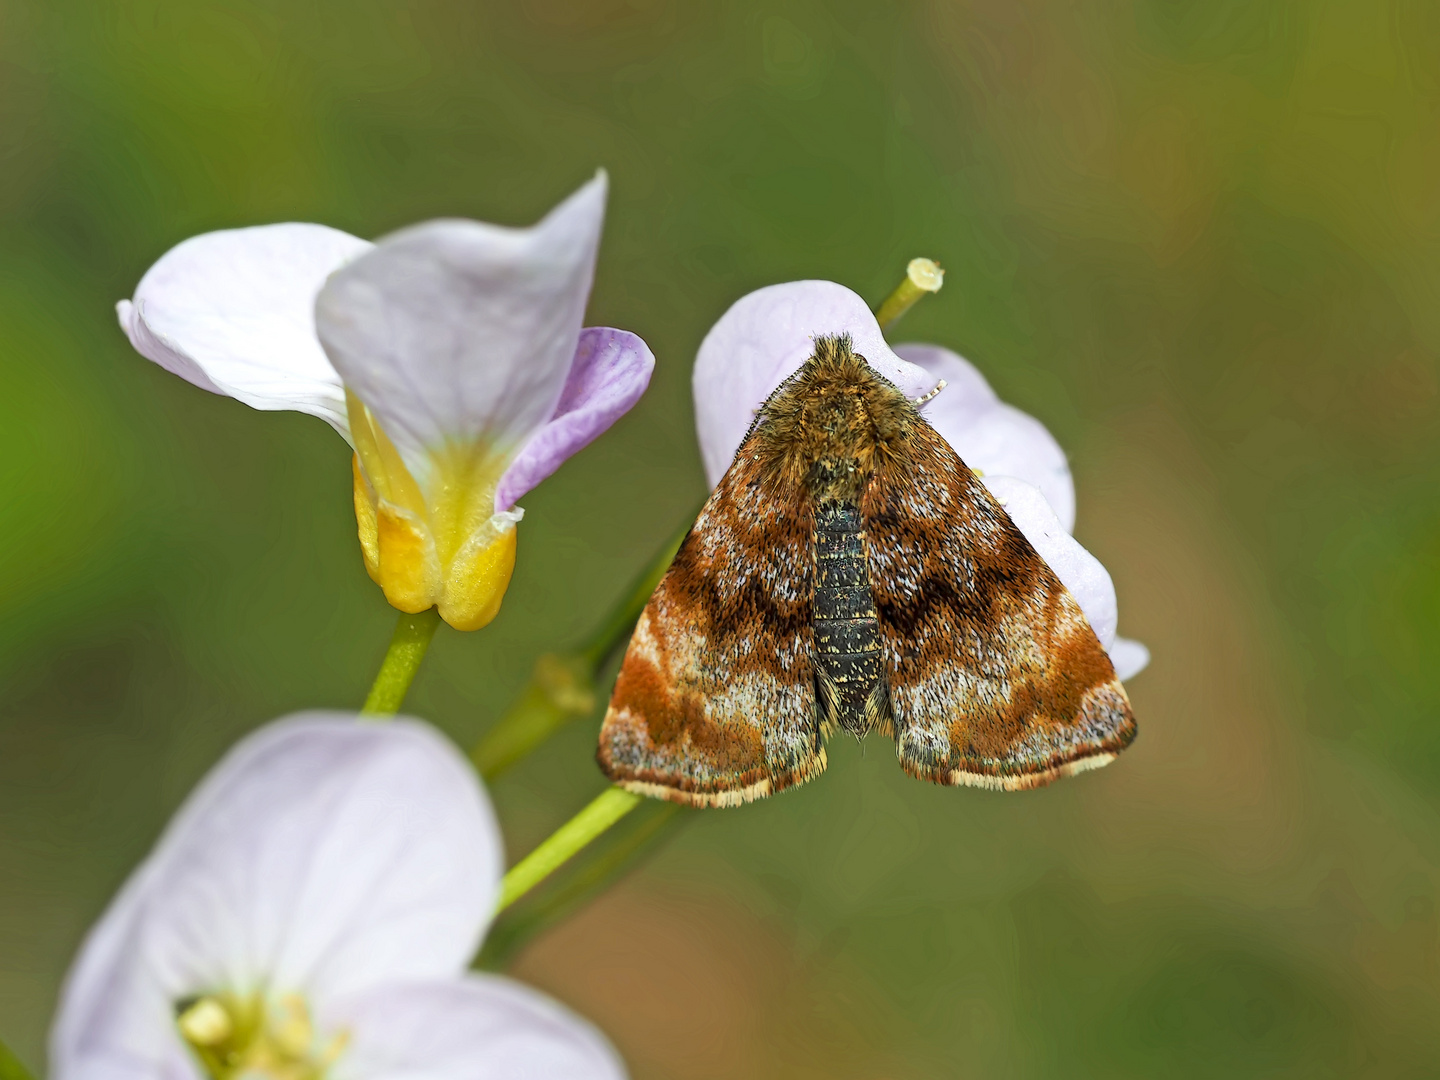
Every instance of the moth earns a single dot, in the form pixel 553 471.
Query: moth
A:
pixel 849 572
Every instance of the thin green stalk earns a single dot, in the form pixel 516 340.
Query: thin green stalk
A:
pixel 922 277
pixel 402 660
pixel 562 688
pixel 605 868
pixel 11 1068
pixel 614 633
pixel 604 810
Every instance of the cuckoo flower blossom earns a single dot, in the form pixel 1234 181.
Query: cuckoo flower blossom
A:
pixel 766 336
pixel 450 355
pixel 309 914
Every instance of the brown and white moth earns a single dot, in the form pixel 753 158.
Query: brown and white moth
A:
pixel 851 572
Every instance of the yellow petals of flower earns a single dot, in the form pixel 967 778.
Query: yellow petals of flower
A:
pixel 476 583
pixel 441 547
pixel 401 557
pixel 409 571
pixel 365 519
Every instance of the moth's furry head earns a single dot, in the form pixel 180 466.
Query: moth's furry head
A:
pixel 833 422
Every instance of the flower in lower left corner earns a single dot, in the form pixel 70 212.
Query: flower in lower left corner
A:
pixel 309 914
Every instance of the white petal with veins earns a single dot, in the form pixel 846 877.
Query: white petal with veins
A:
pixel 322 856
pixel 480 1027
pixel 1079 571
pixel 233 313
pixel 990 435
pixel 464 332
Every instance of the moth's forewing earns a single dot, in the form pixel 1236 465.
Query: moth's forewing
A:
pixel 996 678
pixel 715 701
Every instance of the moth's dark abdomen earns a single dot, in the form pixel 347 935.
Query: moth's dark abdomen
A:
pixel 850 681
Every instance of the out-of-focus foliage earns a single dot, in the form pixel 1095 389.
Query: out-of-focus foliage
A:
pixel 1199 239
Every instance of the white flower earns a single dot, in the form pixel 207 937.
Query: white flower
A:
pixel 450 355
pixel 308 914
pixel 767 335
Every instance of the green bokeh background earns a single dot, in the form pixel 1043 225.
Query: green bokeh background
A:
pixel 1200 239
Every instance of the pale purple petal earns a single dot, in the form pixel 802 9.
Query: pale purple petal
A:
pixel 611 370
pixel 1130 658
pixel 995 438
pixel 482 1027
pixel 234 313
pixel 764 338
pixel 322 855
pixel 1079 571
pixel 967 393
pixel 464 331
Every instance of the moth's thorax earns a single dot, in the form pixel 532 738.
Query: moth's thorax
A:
pixel 833 423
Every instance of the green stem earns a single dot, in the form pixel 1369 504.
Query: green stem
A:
pixel 604 810
pixel 402 660
pixel 615 631
pixel 562 688
pixel 11 1068
pixel 922 276
pixel 603 869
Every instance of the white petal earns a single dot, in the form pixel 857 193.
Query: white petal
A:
pixel 234 312
pixel 322 855
pixel 1008 442
pixel 1130 657
pixel 1079 571
pixel 761 341
pixel 967 392
pixel 459 330
pixel 476 1028
pixel 97 976
pixel 988 434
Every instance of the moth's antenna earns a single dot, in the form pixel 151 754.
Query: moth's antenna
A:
pixel 923 398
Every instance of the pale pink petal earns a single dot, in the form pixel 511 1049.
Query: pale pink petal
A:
pixel 763 339
pixel 234 313
pixel 463 331
pixel 477 1028
pixel 611 370
pixel 989 435
pixel 1079 571
pixel 322 855
pixel 967 392
pixel 1130 657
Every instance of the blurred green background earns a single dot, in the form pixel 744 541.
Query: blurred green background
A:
pixel 1200 239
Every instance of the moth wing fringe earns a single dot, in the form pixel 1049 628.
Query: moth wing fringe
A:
pixel 734 796
pixel 1013 781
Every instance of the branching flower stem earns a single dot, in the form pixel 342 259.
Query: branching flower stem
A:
pixel 562 689
pixel 604 810
pixel 645 833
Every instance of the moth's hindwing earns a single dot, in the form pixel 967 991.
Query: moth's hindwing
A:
pixel 715 701
pixel 996 678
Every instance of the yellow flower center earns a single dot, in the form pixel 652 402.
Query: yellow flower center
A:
pixel 443 546
pixel 233 1037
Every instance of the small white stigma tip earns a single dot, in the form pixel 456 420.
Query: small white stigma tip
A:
pixel 925 274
